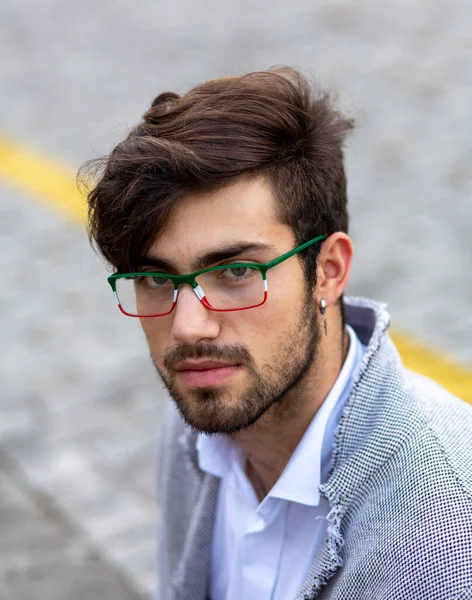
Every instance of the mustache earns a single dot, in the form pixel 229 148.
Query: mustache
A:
pixel 228 352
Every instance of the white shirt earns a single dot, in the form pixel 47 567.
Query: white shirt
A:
pixel 264 551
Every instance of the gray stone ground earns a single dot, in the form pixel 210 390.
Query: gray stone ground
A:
pixel 79 401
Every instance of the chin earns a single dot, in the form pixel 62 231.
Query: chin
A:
pixel 219 413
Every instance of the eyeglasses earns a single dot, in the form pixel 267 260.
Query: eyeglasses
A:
pixel 224 288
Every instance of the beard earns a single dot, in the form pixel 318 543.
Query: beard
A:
pixel 212 410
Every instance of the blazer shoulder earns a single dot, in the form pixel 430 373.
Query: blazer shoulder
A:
pixel 449 420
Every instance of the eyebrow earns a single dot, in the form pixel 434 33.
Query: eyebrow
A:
pixel 209 258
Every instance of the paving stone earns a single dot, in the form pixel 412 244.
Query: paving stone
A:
pixel 65 581
pixel 41 558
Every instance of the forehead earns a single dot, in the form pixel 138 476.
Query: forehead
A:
pixel 243 211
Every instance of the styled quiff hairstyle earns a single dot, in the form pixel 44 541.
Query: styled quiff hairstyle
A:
pixel 272 124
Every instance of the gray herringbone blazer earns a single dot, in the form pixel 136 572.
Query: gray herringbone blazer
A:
pixel 400 491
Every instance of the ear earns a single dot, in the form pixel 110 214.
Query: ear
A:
pixel 334 267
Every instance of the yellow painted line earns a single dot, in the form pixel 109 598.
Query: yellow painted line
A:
pixel 54 185
pixel 443 369
pixel 46 180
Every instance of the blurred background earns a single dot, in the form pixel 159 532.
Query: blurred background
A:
pixel 79 401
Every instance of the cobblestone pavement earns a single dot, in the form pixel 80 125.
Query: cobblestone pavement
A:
pixel 79 401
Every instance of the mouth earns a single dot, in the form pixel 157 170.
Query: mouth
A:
pixel 206 373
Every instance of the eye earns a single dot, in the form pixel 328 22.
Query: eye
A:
pixel 158 281
pixel 237 272
pixel 152 282
pixel 234 274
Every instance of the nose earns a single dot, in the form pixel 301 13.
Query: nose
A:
pixel 192 322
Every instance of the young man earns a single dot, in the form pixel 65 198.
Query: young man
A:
pixel 299 459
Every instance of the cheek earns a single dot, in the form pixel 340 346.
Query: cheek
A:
pixel 266 329
pixel 157 336
pixel 286 298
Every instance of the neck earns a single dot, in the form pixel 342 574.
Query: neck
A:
pixel 269 444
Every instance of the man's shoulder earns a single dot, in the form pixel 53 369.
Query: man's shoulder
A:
pixel 394 412
pixel 448 420
pixel 408 525
pixel 437 400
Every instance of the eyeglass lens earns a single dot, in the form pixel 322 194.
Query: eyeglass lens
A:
pixel 225 289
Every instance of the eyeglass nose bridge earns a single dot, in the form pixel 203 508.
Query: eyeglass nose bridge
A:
pixel 197 289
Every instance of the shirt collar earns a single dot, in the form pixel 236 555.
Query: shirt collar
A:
pixel 217 454
pixel 299 482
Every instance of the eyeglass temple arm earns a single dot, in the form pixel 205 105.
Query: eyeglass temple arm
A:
pixel 287 255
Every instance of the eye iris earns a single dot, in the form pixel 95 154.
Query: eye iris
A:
pixel 159 281
pixel 238 271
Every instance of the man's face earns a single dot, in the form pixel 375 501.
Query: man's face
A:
pixel 225 370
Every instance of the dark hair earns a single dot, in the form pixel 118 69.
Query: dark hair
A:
pixel 273 124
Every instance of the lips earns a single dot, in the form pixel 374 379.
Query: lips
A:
pixel 206 373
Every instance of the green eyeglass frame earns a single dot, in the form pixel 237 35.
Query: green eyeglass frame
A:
pixel 190 279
